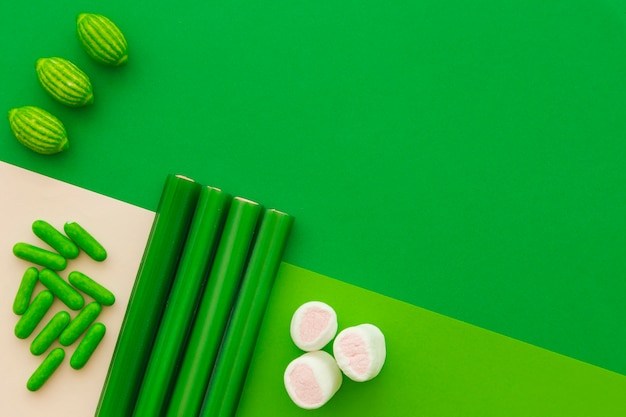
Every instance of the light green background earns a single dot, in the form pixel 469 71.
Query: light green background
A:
pixel 435 366
pixel 465 157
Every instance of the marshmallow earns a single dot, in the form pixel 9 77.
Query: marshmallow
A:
pixel 312 379
pixel 313 325
pixel 360 351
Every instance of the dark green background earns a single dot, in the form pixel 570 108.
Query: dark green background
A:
pixel 466 158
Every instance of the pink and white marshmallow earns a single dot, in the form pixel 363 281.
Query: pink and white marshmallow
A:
pixel 313 325
pixel 360 351
pixel 312 379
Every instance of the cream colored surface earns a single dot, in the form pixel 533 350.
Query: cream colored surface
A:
pixel 123 229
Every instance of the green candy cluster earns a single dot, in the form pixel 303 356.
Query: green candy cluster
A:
pixel 61 327
pixel 64 81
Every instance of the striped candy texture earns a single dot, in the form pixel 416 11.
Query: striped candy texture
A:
pixel 38 130
pixel 65 81
pixel 102 39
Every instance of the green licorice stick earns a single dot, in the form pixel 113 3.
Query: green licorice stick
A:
pixel 92 288
pixel 49 333
pixel 148 296
pixel 34 313
pixel 87 346
pixel 45 369
pixel 191 275
pixel 85 241
pixel 238 345
pixel 39 256
pixel 59 287
pixel 215 307
pixel 80 323
pixel 57 240
pixel 25 290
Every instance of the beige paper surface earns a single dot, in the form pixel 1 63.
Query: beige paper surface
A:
pixel 122 228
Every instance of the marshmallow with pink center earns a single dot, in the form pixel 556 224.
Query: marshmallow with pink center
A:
pixel 360 351
pixel 313 325
pixel 312 379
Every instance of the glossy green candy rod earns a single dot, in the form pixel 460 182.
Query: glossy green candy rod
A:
pixel 59 287
pixel 25 291
pixel 91 288
pixel 85 241
pixel 46 369
pixel 57 240
pixel 80 323
pixel 48 335
pixel 87 345
pixel 215 307
pixel 34 313
pixel 238 345
pixel 39 256
pixel 148 296
pixel 191 275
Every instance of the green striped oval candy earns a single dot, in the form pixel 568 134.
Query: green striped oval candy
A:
pixel 102 39
pixel 38 130
pixel 65 81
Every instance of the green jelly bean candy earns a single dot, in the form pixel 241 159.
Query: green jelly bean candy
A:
pixel 39 256
pixel 91 288
pixel 59 287
pixel 57 240
pixel 80 323
pixel 53 329
pixel 33 315
pixel 46 369
pixel 85 241
pixel 87 346
pixel 25 291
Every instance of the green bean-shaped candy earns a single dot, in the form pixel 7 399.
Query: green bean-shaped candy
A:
pixel 87 346
pixel 45 369
pixel 57 240
pixel 91 288
pixel 59 287
pixel 53 329
pixel 33 315
pixel 39 256
pixel 80 323
pixel 25 291
pixel 85 241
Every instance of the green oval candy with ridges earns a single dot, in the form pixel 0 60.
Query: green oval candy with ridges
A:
pixel 102 39
pixel 85 241
pixel 39 256
pixel 80 323
pixel 49 333
pixel 25 291
pixel 87 345
pixel 38 130
pixel 45 369
pixel 64 81
pixel 57 240
pixel 34 313
pixel 63 290
pixel 91 288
